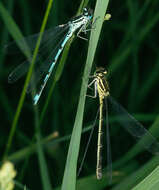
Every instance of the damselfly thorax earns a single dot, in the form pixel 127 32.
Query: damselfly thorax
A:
pixel 101 83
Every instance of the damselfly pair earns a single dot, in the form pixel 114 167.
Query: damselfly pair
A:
pixel 55 39
pixel 135 128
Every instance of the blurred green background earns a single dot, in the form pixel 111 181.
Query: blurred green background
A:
pixel 128 49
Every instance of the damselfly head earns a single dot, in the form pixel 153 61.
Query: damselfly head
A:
pixel 87 12
pixel 100 71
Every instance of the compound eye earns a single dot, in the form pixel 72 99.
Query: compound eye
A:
pixel 85 12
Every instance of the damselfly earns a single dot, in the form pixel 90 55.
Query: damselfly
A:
pixel 57 38
pixel 135 128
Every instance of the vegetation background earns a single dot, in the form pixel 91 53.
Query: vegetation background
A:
pixel 128 49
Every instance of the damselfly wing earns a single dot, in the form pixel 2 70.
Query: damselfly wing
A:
pixel 55 40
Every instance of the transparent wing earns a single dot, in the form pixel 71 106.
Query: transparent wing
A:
pixel 47 50
pixel 109 155
pixel 88 143
pixel 135 128
pixel 31 40
pixel 18 72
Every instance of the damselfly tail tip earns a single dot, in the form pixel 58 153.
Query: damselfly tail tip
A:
pixel 99 176
pixel 36 98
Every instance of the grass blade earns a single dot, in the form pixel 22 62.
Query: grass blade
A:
pixel 43 167
pixel 28 77
pixel 131 180
pixel 69 179
pixel 150 182
pixel 14 30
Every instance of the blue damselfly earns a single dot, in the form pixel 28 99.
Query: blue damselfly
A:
pixel 45 63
